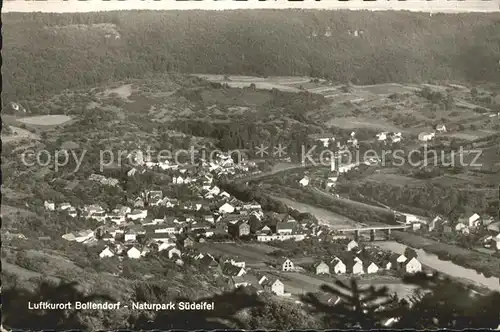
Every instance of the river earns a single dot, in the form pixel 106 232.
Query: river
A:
pixel 334 220
pixel 445 267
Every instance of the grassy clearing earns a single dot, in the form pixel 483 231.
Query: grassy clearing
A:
pixel 385 89
pixel 12 212
pixel 394 179
pixel 239 98
pixel 251 254
pixel 360 122
pixel 301 283
pixel 123 91
pixel 46 120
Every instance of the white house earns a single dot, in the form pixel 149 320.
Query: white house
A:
pixel 235 263
pixel 138 214
pixel 72 212
pixel 413 266
pixel 130 237
pixel 426 136
pixel 496 240
pixel 276 287
pixel 331 182
pixel 461 227
pixel 304 182
pixel 106 253
pixel 339 267
pixel 214 191
pixel 287 265
pixel 351 245
pixel 262 280
pixel 226 208
pixel 326 141
pixel 178 180
pixel 441 128
pixel 401 259
pixel 474 220
pixel 174 251
pixel 133 253
pixel 64 206
pixel 357 267
pixel 165 245
pixel 396 137
pixel 372 268
pixel 49 205
pixel 382 136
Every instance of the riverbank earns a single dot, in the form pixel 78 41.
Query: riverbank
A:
pixel 475 265
pixel 481 262
pixel 432 261
pixel 484 264
pixel 360 212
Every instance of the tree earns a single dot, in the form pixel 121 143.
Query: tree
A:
pixel 473 92
pixel 255 224
pixel 410 253
pixel 364 308
pixel 444 303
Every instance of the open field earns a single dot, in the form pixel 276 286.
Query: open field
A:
pixel 394 179
pixel 301 283
pixel 280 83
pixel 46 120
pixel 357 123
pixel 123 91
pixel 251 254
pixel 386 89
pixel 11 211
pixel 243 98
pixel 23 273
pixel 468 135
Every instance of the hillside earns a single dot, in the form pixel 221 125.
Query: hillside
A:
pixel 74 50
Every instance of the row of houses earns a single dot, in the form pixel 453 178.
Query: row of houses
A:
pixel 350 262
pixel 220 164
pixel 356 266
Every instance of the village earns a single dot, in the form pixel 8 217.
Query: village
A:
pixel 192 230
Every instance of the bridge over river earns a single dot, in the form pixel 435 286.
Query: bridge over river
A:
pixel 372 229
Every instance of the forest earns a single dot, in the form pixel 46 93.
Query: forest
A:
pixel 45 53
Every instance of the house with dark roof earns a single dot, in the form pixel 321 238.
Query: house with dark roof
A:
pixel 233 270
pixel 287 228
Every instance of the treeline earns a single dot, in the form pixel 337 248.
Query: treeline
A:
pixel 428 200
pixel 47 52
pixel 362 214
